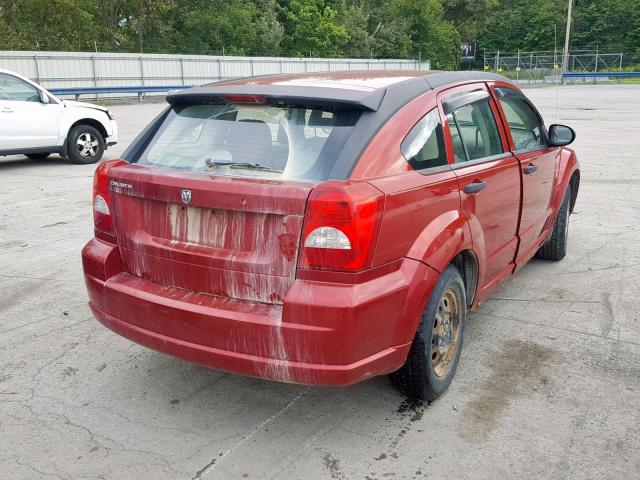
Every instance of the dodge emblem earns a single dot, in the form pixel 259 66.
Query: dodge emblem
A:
pixel 186 196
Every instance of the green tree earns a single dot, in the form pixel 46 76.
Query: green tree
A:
pixel 431 29
pixel 148 20
pixel 355 19
pixel 46 25
pixel 211 27
pixel 432 36
pixel 10 37
pixel 269 30
pixel 311 28
pixel 470 17
pixel 526 26
pixel 632 38
pixel 110 22
pixel 606 23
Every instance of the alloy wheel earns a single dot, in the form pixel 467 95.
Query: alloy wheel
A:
pixel 87 145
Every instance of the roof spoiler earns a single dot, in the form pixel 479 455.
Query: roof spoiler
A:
pixel 285 94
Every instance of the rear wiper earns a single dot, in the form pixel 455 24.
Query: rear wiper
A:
pixel 227 163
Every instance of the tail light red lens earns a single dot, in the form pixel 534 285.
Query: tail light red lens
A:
pixel 244 99
pixel 341 227
pixel 102 220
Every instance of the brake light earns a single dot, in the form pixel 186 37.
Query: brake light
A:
pixel 244 98
pixel 341 227
pixel 101 208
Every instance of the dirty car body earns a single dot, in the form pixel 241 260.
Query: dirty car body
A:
pixel 293 227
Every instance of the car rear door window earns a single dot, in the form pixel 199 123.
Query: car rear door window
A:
pixel 423 147
pixel 474 132
pixel 527 129
pixel 15 90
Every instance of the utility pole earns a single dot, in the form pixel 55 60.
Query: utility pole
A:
pixel 565 55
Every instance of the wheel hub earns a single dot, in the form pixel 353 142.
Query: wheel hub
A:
pixel 444 340
pixel 445 332
pixel 87 145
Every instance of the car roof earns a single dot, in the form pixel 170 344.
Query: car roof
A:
pixel 365 80
pixel 16 74
pixel 363 89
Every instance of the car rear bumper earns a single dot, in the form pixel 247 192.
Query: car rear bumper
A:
pixel 324 334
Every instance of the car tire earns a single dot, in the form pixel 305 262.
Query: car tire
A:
pixel 85 144
pixel 38 156
pixel 555 248
pixel 434 355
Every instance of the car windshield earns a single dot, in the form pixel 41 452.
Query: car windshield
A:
pixel 251 140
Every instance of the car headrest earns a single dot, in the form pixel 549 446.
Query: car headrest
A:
pixel 249 141
pixel 320 118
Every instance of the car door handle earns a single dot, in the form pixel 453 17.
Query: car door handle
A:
pixel 474 187
pixel 7 110
pixel 529 169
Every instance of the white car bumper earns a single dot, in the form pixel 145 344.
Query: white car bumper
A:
pixel 112 137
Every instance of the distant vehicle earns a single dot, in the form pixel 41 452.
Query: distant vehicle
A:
pixel 33 122
pixel 325 228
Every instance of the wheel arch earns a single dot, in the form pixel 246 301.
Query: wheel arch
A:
pixel 574 182
pixel 447 240
pixel 92 122
pixel 568 175
pixel 467 264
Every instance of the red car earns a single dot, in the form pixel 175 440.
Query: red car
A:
pixel 325 228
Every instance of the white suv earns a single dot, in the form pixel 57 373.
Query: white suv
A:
pixel 35 123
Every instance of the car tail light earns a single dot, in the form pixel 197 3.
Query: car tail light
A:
pixel 341 227
pixel 101 207
pixel 244 98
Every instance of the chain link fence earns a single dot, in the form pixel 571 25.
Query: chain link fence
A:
pixel 547 66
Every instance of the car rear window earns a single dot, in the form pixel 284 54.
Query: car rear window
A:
pixel 251 140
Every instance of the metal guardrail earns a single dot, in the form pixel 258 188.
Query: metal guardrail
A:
pixel 601 74
pixel 139 90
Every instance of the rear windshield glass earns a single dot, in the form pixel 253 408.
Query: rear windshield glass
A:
pixel 250 140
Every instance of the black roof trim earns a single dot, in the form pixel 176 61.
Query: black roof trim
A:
pixel 288 94
pixel 453 103
pixel 397 96
pixel 441 79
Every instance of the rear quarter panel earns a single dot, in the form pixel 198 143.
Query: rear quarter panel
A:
pixel 422 218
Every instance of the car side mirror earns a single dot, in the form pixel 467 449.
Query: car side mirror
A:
pixel 44 98
pixel 561 135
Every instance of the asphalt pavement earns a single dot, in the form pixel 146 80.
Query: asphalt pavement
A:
pixel 548 384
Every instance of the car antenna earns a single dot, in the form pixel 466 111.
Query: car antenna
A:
pixel 555 64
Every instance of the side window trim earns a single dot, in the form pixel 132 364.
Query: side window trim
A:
pixel 498 118
pixel 457 101
pixel 479 161
pixel 507 127
pixel 464 146
pixel 438 169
